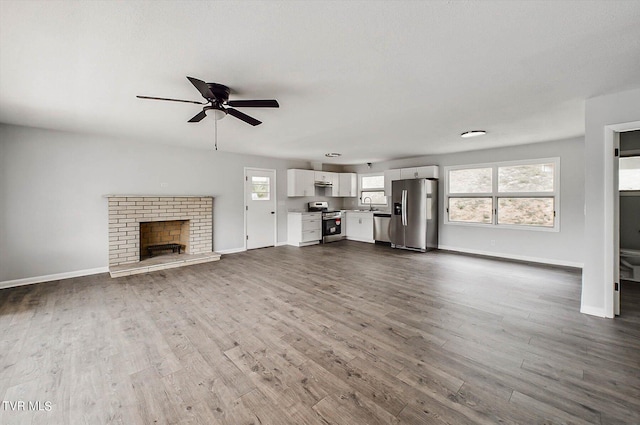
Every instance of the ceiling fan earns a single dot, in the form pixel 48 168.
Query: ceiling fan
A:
pixel 218 103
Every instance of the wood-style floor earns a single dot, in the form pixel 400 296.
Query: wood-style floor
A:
pixel 346 333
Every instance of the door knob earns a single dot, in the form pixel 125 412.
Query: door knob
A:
pixel 273 212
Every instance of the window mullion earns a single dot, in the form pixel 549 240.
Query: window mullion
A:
pixel 494 197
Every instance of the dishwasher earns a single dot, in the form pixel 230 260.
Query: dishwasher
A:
pixel 381 227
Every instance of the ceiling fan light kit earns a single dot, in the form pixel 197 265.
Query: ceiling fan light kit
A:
pixel 216 114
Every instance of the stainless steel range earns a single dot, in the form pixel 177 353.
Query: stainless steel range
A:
pixel 331 221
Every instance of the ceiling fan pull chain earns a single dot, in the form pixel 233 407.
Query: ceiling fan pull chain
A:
pixel 216 142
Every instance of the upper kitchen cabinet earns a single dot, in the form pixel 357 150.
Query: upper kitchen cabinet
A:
pixel 424 172
pixel 329 181
pixel 324 176
pixel 347 185
pixel 301 183
pixel 321 183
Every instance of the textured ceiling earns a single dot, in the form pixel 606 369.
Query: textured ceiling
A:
pixel 372 80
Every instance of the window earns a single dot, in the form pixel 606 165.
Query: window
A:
pixel 260 188
pixel 521 194
pixel 372 187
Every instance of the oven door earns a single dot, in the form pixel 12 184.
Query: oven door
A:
pixel 331 226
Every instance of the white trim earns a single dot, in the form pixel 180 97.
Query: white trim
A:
pixel 52 277
pixel 593 311
pixel 357 239
pixel 231 251
pixel 551 261
pixel 610 213
pixel 274 192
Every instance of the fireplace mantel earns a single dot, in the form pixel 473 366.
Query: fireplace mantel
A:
pixel 156 196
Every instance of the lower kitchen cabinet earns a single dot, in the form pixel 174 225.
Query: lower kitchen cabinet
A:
pixel 304 228
pixel 360 226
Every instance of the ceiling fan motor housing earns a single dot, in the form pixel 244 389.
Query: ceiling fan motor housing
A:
pixel 220 92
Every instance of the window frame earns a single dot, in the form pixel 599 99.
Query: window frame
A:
pixel 376 189
pixel 495 194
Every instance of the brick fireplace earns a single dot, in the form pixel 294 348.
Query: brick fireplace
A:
pixel 186 220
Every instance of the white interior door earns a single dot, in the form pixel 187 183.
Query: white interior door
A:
pixel 260 207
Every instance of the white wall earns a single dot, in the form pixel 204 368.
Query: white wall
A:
pixel 564 247
pixel 597 275
pixel 53 215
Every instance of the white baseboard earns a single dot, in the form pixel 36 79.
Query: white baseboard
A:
pixel 52 277
pixel 351 238
pixel 551 261
pixel 593 311
pixel 237 250
pixel 230 251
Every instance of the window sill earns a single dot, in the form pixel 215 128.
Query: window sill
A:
pixel 555 229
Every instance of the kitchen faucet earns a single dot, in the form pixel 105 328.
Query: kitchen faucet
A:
pixel 365 200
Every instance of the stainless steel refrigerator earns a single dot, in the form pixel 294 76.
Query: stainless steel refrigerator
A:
pixel 414 215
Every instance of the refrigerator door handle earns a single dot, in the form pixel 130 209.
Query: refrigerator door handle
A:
pixel 404 207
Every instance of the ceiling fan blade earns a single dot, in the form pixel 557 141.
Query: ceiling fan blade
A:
pixel 242 116
pixel 202 87
pixel 172 100
pixel 198 117
pixel 266 103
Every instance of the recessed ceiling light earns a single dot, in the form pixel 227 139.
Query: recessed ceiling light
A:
pixel 332 155
pixel 473 133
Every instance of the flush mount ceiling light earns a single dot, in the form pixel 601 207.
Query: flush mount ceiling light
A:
pixel 473 133
pixel 332 155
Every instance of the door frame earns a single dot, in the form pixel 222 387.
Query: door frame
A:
pixel 611 212
pixel 245 206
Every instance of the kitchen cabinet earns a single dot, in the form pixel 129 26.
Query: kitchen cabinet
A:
pixel 424 172
pixel 360 226
pixel 304 228
pixel 329 177
pixel 324 176
pixel 335 181
pixel 347 185
pixel 300 183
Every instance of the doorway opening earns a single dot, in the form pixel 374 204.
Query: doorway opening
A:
pixel 627 261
